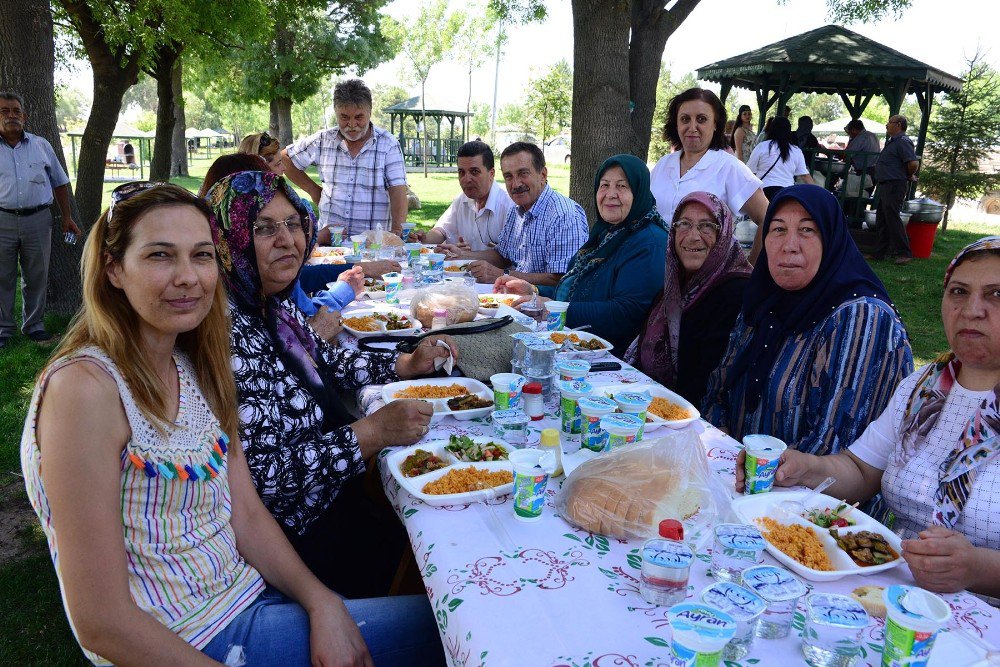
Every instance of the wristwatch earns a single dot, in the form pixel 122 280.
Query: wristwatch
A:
pixel 506 272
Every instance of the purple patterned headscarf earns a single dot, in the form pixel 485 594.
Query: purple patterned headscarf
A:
pixel 655 351
pixel 237 200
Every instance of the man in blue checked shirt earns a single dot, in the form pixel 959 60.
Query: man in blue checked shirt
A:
pixel 30 178
pixel 543 230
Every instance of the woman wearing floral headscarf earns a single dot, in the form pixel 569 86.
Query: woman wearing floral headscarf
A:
pixel 305 451
pixel 935 451
pixel 689 326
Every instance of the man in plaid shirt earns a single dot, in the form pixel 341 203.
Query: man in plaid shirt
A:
pixel 361 166
pixel 543 230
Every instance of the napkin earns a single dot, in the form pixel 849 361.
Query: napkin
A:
pixel 447 363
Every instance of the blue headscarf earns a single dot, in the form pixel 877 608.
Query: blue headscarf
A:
pixel 775 313
pixel 606 238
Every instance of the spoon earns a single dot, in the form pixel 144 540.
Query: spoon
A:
pixel 798 507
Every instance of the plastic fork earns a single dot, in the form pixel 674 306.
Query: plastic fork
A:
pixel 798 507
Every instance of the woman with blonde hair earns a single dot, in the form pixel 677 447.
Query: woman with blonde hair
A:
pixel 158 538
pixel 267 147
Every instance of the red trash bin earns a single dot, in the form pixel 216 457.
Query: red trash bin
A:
pixel 921 238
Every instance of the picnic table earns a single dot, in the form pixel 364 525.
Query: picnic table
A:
pixel 505 592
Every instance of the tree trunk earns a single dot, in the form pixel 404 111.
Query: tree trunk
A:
pixel 423 118
pixel 115 71
pixel 178 152
pixel 603 93
pixel 274 124
pixel 284 109
pixel 600 92
pixel 164 63
pixel 26 67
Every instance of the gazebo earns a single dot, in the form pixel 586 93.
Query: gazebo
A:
pixel 832 60
pixel 127 158
pixel 440 150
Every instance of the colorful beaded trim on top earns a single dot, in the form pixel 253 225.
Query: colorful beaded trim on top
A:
pixel 192 472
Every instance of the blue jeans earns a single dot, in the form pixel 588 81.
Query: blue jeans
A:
pixel 274 630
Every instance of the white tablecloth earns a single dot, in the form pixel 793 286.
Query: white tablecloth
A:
pixel 505 592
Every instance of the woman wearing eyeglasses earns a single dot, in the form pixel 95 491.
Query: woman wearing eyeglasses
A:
pixel 131 458
pixel 266 147
pixel 817 349
pixel 706 272
pixel 306 452
pixel 608 282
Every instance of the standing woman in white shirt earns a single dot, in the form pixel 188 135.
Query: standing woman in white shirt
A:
pixel 777 162
pixel 695 127
pixel 935 451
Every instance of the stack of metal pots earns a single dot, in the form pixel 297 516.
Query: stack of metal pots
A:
pixel 924 210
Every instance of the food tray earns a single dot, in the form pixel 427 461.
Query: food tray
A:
pixel 655 390
pixel 750 508
pixel 414 485
pixel 484 299
pixel 441 408
pixel 327 255
pixel 582 354
pixel 364 312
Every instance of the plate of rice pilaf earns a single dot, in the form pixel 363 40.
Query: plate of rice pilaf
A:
pixel 667 409
pixel 438 391
pixel 456 482
pixel 810 550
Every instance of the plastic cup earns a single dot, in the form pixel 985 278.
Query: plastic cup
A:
pixel 573 369
pixel 507 390
pixel 666 567
pixel 435 262
pixel 511 426
pixel 570 392
pixel 413 251
pixel 737 546
pixel 832 633
pixel 392 282
pixel 622 430
pixel 408 228
pixel 762 454
pixel 358 243
pixel 556 320
pixel 635 403
pixel 530 479
pixel 336 234
pixel 700 632
pixel 744 606
pixel 781 590
pixel 592 409
pixel 913 619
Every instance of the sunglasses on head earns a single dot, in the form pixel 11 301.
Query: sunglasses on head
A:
pixel 266 140
pixel 126 191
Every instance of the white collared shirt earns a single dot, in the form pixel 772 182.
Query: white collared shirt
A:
pixel 717 172
pixel 481 228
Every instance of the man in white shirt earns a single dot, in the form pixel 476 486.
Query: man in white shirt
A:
pixel 474 221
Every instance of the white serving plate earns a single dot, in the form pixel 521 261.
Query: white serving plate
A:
pixel 582 354
pixel 491 312
pixel 441 408
pixel 415 485
pixel 750 508
pixel 655 390
pixel 364 312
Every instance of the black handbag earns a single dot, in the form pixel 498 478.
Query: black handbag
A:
pixel 485 347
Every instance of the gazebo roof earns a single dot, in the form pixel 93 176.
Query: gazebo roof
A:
pixel 411 107
pixel 830 59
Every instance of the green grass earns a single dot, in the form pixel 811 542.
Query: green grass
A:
pixel 34 625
